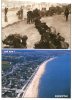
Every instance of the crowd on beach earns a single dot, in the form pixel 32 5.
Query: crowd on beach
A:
pixel 49 39
pixel 33 14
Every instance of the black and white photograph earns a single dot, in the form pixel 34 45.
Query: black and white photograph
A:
pixel 36 25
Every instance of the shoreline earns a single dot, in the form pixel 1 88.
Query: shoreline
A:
pixel 14 23
pixel 32 88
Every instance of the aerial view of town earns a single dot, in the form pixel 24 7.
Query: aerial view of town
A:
pixel 19 68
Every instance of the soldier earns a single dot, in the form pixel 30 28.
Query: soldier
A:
pixel 21 13
pixel 66 13
pixel 28 17
pixel 6 11
pixel 18 14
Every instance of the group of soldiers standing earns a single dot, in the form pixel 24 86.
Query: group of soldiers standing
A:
pixel 19 13
pixel 31 15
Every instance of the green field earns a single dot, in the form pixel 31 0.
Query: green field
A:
pixel 5 65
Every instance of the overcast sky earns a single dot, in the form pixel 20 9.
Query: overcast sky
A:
pixel 25 0
pixel 49 1
pixel 59 1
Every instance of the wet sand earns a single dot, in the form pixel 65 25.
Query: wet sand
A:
pixel 32 89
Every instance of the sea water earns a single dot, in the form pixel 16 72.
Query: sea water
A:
pixel 56 80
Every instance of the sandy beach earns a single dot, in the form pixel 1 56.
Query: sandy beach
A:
pixel 32 89
pixel 22 28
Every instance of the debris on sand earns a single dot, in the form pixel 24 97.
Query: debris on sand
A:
pixel 15 41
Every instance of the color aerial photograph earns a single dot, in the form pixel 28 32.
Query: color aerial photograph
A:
pixel 36 73
pixel 36 25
